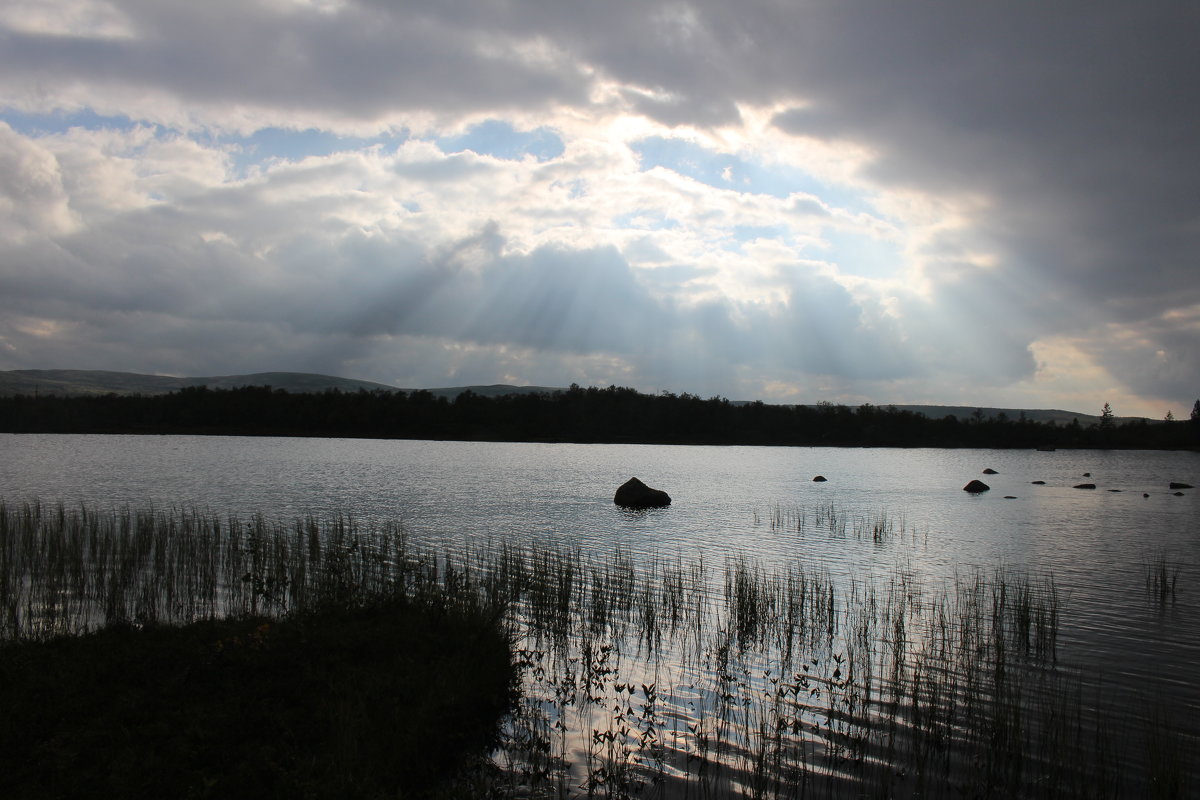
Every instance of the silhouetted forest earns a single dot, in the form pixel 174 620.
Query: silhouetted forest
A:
pixel 576 415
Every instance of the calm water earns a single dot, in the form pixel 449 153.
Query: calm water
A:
pixel 1096 543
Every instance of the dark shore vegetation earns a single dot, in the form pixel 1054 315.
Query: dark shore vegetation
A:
pixel 576 415
pixel 181 653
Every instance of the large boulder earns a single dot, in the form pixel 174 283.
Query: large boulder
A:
pixel 976 486
pixel 635 494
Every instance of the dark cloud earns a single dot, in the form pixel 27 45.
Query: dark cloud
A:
pixel 1071 127
pixel 362 62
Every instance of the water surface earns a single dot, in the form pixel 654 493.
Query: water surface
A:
pixel 757 502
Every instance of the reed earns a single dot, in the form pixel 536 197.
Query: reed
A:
pixel 653 676
pixel 1162 578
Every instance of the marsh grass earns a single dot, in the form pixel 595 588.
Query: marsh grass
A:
pixel 182 654
pixel 1162 578
pixel 828 518
pixel 653 676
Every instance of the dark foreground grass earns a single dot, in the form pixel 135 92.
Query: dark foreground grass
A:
pixel 388 700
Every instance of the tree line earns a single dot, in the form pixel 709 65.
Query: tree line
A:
pixel 613 414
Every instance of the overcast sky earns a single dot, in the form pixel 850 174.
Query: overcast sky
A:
pixel 977 203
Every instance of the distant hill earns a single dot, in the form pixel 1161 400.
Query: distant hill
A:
pixel 1054 415
pixel 74 382
pixel 494 390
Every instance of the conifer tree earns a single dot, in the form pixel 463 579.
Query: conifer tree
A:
pixel 1106 416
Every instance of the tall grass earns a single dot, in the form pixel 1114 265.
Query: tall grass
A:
pixel 1162 577
pixel 654 676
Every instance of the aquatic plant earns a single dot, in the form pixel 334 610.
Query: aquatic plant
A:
pixel 1162 577
pixel 648 676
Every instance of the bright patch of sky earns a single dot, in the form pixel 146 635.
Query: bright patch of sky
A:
pixel 280 144
pixel 645 220
pixel 734 172
pixel 265 145
pixel 750 233
pixel 62 121
pixel 499 139
pixel 865 256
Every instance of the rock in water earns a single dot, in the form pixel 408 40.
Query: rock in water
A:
pixel 1085 486
pixel 1178 485
pixel 635 494
pixel 990 471
pixel 976 486
pixel 819 479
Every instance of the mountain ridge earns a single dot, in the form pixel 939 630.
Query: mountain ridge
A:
pixel 67 382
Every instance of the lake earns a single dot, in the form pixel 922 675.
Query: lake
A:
pixel 728 502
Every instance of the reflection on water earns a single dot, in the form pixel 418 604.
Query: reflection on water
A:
pixel 924 637
pixel 748 680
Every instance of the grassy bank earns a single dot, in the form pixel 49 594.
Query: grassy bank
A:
pixel 176 655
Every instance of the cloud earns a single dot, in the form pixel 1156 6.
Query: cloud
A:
pixel 33 199
pixel 219 255
pixel 836 196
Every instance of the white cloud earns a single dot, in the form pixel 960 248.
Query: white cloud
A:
pixel 33 200
pixel 844 199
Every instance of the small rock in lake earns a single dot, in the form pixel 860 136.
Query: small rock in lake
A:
pixel 1179 494
pixel 990 471
pixel 819 479
pixel 1114 490
pixel 1177 485
pixel 1038 483
pixel 1085 486
pixel 635 494
pixel 1087 474
pixel 976 486
pixel 1010 497
pixel 1145 494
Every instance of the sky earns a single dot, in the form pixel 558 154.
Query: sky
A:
pixel 984 203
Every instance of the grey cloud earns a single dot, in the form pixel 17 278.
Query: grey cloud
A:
pixel 1163 361
pixel 1076 122
pixel 689 110
pixel 362 62
pixel 146 292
